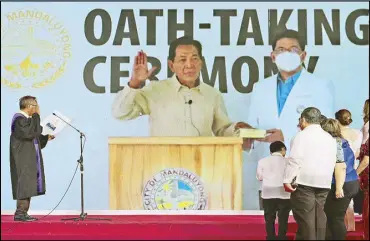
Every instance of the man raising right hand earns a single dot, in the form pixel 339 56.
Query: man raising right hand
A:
pixel 179 106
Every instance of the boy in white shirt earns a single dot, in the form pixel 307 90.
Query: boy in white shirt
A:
pixel 270 171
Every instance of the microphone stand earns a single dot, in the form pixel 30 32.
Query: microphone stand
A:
pixel 83 215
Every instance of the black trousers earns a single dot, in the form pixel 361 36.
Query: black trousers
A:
pixel 308 211
pixel 281 207
pixel 260 200
pixel 335 210
pixel 23 205
pixel 358 202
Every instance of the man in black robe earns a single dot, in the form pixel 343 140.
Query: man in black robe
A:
pixel 26 163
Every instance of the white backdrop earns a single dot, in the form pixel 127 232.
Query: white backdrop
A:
pixel 44 45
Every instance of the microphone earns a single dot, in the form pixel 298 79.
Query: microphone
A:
pixel 189 102
pixel 82 134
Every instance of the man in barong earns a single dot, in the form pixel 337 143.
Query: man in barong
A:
pixel 181 105
pixel 26 162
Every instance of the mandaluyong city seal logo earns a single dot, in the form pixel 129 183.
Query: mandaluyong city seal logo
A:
pixel 35 48
pixel 174 189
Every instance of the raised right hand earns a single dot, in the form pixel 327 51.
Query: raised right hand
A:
pixel 140 71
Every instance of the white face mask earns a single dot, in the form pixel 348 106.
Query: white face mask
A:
pixel 288 61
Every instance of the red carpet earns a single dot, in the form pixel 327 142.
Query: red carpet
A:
pixel 148 227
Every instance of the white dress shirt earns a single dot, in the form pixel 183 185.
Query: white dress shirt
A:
pixel 312 158
pixel 175 110
pixel 25 114
pixel 270 171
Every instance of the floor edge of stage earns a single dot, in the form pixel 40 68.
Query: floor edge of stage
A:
pixel 147 226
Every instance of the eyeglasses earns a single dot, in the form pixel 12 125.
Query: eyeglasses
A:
pixel 292 50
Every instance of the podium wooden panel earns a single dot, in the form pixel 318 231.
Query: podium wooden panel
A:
pixel 216 160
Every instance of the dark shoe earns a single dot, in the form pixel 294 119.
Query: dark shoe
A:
pixel 271 238
pixel 24 218
pixel 32 218
pixel 282 238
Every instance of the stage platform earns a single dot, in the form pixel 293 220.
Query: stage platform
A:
pixel 205 225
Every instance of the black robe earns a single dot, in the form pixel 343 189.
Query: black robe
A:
pixel 26 163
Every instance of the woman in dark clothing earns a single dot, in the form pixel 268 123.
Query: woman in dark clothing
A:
pixel 345 185
pixel 363 170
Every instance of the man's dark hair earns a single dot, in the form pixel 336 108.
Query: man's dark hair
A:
pixel 277 146
pixel 289 33
pixel 185 40
pixel 311 115
pixel 25 101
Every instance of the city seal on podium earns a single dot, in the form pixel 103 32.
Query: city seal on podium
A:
pixel 35 49
pixel 174 189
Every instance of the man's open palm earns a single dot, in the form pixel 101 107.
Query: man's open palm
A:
pixel 140 71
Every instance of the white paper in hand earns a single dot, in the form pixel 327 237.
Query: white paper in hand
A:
pixel 52 125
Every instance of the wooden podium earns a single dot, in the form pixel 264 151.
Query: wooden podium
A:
pixel 135 160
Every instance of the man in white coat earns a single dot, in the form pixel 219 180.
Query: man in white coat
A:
pixel 277 102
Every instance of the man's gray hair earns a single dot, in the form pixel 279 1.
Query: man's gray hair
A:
pixel 26 101
pixel 311 115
